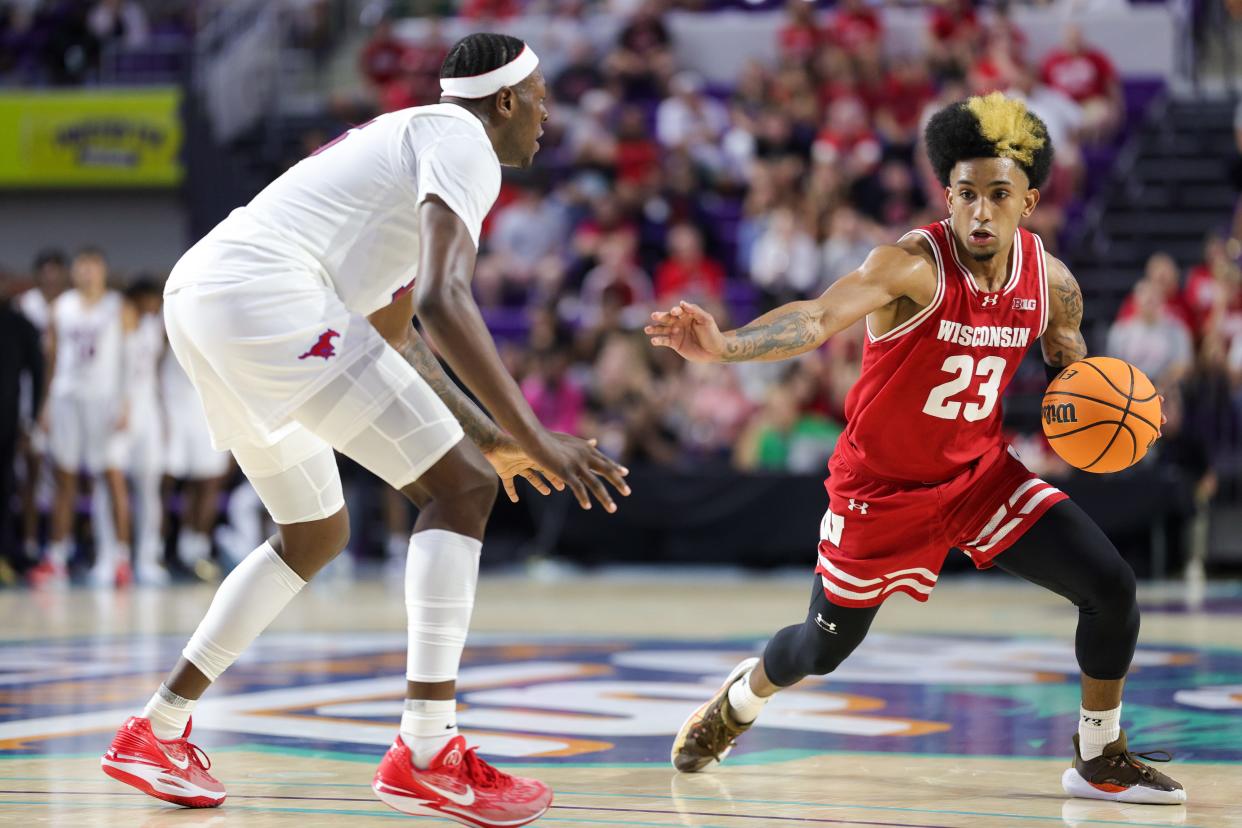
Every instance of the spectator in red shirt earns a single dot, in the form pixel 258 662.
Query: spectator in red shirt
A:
pixel 856 28
pixel 953 35
pixel 637 156
pixel 906 90
pixel 800 36
pixel 848 140
pixel 1212 287
pixel 1162 272
pixel 1086 74
pixel 380 60
pixel 687 273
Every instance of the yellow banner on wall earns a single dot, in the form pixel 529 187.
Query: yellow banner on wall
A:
pixel 91 138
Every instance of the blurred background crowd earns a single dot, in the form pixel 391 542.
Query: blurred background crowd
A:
pixel 655 184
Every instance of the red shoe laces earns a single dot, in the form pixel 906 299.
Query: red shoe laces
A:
pixel 196 753
pixel 481 773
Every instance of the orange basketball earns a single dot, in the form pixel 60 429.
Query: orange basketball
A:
pixel 1101 414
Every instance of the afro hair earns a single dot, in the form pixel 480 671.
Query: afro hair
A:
pixel 989 127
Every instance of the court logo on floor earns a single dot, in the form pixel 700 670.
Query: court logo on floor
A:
pixel 618 701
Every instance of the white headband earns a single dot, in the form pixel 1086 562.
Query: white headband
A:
pixel 489 83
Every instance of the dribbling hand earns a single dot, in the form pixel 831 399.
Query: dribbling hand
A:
pixel 689 330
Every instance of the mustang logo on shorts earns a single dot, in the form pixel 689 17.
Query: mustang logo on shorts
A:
pixel 324 347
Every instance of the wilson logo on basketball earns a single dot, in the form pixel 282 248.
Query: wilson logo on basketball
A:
pixel 324 347
pixel 1060 413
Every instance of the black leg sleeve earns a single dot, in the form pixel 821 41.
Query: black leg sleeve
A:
pixel 1067 553
pixel 818 645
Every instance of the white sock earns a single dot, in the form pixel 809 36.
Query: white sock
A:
pixel 743 701
pixel 1097 729
pixel 58 552
pixel 247 601
pixel 441 574
pixel 168 713
pixel 122 554
pixel 427 726
pixel 192 547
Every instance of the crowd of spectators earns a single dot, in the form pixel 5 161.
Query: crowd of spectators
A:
pixel 655 185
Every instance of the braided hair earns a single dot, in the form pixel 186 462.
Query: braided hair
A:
pixel 993 126
pixel 478 53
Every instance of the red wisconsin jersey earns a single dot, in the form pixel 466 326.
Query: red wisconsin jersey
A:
pixel 927 404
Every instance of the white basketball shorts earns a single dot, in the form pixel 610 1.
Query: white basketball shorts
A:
pixel 83 436
pixel 286 373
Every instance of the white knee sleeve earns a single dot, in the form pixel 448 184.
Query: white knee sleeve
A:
pixel 441 575
pixel 248 600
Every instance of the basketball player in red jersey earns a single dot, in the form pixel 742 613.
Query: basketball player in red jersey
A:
pixel 922 467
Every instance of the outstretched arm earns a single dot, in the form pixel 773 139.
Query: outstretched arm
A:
pixel 1062 342
pixel 890 273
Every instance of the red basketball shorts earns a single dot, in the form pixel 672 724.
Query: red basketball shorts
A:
pixel 880 537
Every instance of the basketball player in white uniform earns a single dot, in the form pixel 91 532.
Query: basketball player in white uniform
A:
pixel 191 458
pixel 293 320
pixel 88 418
pixel 51 277
pixel 144 346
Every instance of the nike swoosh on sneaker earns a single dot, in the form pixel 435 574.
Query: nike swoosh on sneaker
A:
pixel 182 764
pixel 465 800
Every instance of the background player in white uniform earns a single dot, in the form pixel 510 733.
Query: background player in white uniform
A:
pixel 293 320
pixel 87 415
pixel 191 458
pixel 144 346
pixel 51 277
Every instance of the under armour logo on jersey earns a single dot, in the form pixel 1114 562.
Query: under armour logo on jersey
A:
pixel 990 301
pixel 1023 304
pixel 861 506
pixel 324 347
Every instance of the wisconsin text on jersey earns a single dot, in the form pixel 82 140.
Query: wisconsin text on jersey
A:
pixel 983 336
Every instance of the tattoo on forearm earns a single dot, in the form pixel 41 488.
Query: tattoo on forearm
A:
pixel 1064 343
pixel 783 333
pixel 478 426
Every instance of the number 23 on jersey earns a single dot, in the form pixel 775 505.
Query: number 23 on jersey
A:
pixel 989 370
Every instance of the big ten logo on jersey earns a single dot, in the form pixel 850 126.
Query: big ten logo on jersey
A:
pixel 1060 413
pixel 1025 304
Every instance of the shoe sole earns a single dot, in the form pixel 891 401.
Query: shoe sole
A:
pixel 684 732
pixel 136 776
pixel 1074 785
pixel 418 807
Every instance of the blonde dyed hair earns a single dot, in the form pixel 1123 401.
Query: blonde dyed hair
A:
pixel 1009 126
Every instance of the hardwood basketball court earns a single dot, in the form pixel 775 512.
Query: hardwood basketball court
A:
pixel 954 713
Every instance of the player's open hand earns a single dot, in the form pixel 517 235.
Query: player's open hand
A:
pixel 582 467
pixel 689 330
pixel 511 462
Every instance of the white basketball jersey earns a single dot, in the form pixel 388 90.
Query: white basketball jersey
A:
pixel 348 212
pixel 88 346
pixel 143 348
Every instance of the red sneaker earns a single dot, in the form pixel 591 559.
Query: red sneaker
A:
pixel 174 770
pixel 459 786
pixel 48 574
